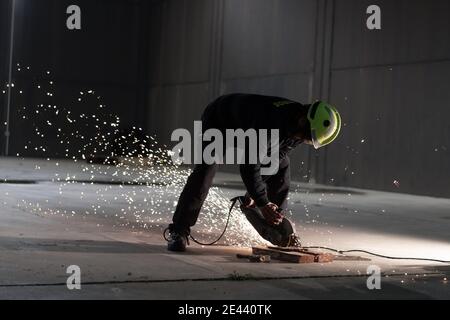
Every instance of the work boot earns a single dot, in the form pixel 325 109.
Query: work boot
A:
pixel 177 241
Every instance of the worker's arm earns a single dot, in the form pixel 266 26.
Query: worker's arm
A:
pixel 256 187
pixel 251 174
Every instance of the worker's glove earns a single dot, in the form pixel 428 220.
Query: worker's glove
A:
pixel 272 213
pixel 249 203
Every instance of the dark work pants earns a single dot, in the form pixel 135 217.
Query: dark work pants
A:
pixel 197 186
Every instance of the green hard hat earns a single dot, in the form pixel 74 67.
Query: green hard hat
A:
pixel 325 123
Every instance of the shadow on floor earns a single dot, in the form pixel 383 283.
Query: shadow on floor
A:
pixel 89 246
pixel 99 246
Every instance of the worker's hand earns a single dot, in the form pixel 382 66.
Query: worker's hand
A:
pixel 271 213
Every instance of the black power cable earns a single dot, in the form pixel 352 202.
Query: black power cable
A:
pixel 375 254
pixel 233 202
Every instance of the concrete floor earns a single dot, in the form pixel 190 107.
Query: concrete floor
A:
pixel 113 233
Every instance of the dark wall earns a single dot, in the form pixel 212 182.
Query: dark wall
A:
pixel 4 35
pixel 391 85
pixel 174 56
pixel 207 48
pixel 108 55
pixel 4 47
pixel 393 88
pixel 182 35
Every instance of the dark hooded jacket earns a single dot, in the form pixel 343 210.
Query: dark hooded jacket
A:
pixel 246 111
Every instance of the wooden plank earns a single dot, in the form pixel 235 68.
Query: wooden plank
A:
pixel 254 257
pixel 323 257
pixel 350 258
pixel 294 257
pixel 319 257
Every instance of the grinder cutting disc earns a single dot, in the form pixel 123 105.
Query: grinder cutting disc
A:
pixel 278 235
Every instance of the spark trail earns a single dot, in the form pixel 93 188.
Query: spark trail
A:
pixel 122 172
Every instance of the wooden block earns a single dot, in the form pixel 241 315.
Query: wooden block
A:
pixel 294 257
pixel 323 257
pixel 318 257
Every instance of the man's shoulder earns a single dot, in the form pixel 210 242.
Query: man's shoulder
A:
pixel 275 101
